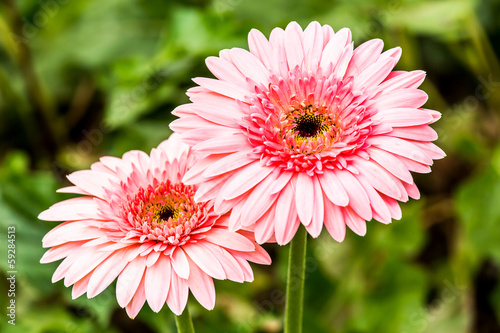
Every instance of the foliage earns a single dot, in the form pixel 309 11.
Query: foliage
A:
pixel 81 79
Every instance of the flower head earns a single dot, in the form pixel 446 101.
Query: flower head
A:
pixel 139 223
pixel 303 128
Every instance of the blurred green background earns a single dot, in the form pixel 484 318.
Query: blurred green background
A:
pixel 81 79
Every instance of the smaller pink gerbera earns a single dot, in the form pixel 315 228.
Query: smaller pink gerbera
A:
pixel 139 223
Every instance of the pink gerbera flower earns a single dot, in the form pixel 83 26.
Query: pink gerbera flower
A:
pixel 139 223
pixel 305 129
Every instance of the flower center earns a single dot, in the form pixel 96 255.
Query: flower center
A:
pixel 166 213
pixel 310 125
pixel 307 121
pixel 306 127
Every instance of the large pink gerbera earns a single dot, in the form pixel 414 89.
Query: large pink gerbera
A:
pixel 139 223
pixel 305 129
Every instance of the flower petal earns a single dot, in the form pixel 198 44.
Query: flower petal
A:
pixel 202 257
pixel 202 287
pixel 157 283
pixel 129 280
pixel 180 262
pixel 304 198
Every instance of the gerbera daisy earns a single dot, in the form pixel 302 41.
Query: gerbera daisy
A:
pixel 139 223
pixel 303 128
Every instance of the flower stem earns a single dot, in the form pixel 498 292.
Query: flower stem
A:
pixel 184 322
pixel 295 282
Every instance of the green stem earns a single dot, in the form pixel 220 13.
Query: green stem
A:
pixel 295 282
pixel 184 322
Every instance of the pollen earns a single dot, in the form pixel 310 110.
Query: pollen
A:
pixel 165 213
pixel 310 125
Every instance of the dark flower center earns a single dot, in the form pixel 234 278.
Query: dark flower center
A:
pixel 310 125
pixel 167 212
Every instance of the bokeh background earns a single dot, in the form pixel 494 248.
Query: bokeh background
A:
pixel 84 78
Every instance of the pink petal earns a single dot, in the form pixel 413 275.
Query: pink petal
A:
pixel 80 286
pixel 293 45
pixel 343 62
pixel 355 222
pixel 364 55
pixel 214 101
pixel 231 266
pixel 304 198
pixel 249 65
pixel 435 114
pixel 400 80
pixel 60 251
pixel 281 181
pixel 380 211
pixel 418 133
pixel 285 230
pixel 245 179
pixel 333 188
pixel 245 266
pixel 222 206
pixel 413 165
pixel 286 217
pixel 222 87
pixel 180 262
pixel 412 190
pixel 391 163
pixel 374 74
pixel 106 272
pixel 394 53
pixel 202 257
pixel 229 163
pixel 211 113
pixel 235 221
pixel 202 287
pixel 129 280
pixel 430 149
pixel 229 240
pixel 401 98
pixel 72 189
pixel 393 206
pixel 72 209
pixel 401 117
pixel 334 221
pixel 378 178
pixel 313 45
pixel 260 47
pixel 194 136
pixel 264 227
pixel 314 229
pixel 334 49
pixel 152 258
pixel 400 147
pixel 258 201
pixel 137 301
pixel 259 256
pixel 195 174
pixel 222 145
pixel 178 294
pixel 225 70
pixel 90 181
pixel 277 40
pixel 210 188
pixel 86 262
pixel 64 267
pixel 71 232
pixel 358 200
pixel 157 283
